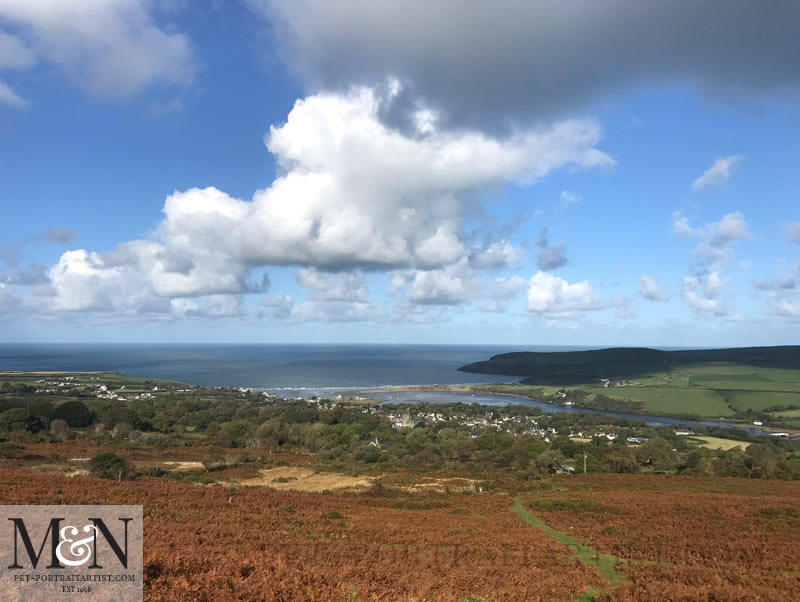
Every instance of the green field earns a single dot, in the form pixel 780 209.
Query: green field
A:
pixel 522 390
pixel 708 383
pixel 711 389
pixel 759 400
pixel 787 414
pixel 79 378
pixel 670 400
pixel 706 390
pixel 745 378
pixel 719 443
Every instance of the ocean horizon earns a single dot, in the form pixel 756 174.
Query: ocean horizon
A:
pixel 279 367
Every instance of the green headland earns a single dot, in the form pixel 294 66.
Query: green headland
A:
pixel 758 384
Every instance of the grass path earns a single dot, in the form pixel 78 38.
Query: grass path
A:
pixel 606 564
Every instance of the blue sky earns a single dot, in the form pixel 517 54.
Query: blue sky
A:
pixel 309 171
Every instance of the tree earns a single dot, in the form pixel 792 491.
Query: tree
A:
pixel 75 413
pixel 489 440
pixel 21 419
pixel 15 419
pixel 110 466
pixel 162 423
pixel 212 462
pixel 119 414
pixel 698 462
pixel 121 430
pixel 546 462
pixel 732 463
pixel 763 460
pixel 658 453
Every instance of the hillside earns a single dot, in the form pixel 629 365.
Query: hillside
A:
pixel 618 538
pixel 576 367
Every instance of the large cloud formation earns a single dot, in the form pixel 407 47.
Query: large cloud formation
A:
pixel 352 194
pixel 510 61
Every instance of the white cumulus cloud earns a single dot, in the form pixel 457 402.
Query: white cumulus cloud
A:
pixel 352 194
pixel 715 238
pixel 342 286
pixel 548 294
pixel 498 254
pixel 703 292
pixel 451 285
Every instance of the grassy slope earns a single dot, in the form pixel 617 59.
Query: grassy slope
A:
pixel 671 400
pixel 758 400
pixel 710 383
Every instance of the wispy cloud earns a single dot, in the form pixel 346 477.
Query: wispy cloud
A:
pixel 111 49
pixel 11 98
pixel 650 289
pixel 549 256
pixel 719 172
pixel 792 231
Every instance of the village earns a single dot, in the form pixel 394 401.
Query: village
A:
pixel 500 418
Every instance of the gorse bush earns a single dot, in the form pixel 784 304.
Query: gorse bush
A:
pixel 110 466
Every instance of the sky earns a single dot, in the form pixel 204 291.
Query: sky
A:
pixel 277 171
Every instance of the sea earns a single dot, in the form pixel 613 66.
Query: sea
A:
pixel 306 369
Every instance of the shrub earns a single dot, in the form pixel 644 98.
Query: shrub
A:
pixel 378 489
pixel 569 505
pixel 10 450
pixel 192 477
pixel 59 429
pixel 18 419
pixel 154 472
pixel 778 512
pixel 213 462
pixel 110 466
